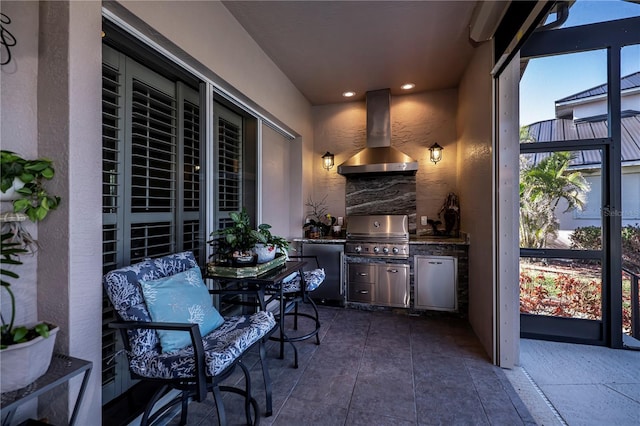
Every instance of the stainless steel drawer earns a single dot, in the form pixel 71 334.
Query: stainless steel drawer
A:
pixel 362 273
pixel 362 292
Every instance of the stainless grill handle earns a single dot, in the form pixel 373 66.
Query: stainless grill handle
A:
pixel 363 291
pixel 393 271
pixel 362 274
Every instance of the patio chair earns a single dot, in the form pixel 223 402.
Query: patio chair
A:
pixel 295 290
pixel 191 355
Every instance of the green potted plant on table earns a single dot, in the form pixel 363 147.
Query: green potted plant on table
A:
pixel 234 245
pixel 268 244
pixel 25 350
pixel 241 245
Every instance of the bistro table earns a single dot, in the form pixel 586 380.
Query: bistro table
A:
pixel 267 287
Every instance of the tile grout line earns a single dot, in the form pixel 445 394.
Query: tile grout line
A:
pixel 544 398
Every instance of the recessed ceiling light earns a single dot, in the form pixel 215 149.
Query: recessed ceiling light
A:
pixel 348 94
pixel 407 86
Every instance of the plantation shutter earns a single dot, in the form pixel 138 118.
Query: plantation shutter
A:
pixel 151 177
pixel 230 164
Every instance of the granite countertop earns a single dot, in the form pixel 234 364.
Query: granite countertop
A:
pixel 324 240
pixel 420 239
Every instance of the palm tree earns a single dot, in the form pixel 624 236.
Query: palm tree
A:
pixel 542 186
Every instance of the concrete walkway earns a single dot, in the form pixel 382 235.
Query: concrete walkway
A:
pixel 563 383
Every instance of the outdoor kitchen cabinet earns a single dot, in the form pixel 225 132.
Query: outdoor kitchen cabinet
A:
pixel 382 284
pixel 435 283
pixel 362 282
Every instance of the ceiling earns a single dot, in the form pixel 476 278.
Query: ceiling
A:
pixel 328 47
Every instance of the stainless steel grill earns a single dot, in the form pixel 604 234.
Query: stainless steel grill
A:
pixel 383 236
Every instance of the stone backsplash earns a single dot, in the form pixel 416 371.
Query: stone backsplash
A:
pixel 382 194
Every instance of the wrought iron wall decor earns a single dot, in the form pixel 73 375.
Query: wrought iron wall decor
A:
pixel 6 38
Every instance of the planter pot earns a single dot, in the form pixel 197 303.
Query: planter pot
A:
pixel 24 363
pixel 244 261
pixel 11 193
pixel 265 253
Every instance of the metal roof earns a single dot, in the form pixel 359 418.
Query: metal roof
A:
pixel 627 82
pixel 562 129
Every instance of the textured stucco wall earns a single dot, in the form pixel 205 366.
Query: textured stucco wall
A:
pixel 18 115
pixel 207 31
pixel 475 180
pixel 417 121
pixel 51 108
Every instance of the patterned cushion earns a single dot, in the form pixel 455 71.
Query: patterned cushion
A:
pixel 313 279
pixel 222 346
pixel 182 298
pixel 123 289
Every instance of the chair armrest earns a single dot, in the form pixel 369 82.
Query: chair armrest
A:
pixel 196 341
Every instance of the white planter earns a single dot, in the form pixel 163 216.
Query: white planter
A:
pixel 11 193
pixel 24 363
pixel 265 253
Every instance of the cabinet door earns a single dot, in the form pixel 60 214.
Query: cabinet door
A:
pixel 393 285
pixel 436 283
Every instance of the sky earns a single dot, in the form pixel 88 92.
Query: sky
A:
pixel 551 78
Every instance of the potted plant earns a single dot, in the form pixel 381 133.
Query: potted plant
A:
pixel 24 180
pixel 234 244
pixel 268 244
pixel 318 223
pixel 25 350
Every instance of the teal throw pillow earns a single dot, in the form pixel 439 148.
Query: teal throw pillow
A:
pixel 183 298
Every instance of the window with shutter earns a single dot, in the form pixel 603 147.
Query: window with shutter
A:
pixel 151 178
pixel 153 181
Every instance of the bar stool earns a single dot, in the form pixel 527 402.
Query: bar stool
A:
pixel 295 290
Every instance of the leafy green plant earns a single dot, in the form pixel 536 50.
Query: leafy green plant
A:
pixel 10 334
pixel 586 238
pixel 35 201
pixel 590 238
pixel 236 240
pixel 239 239
pixel 263 236
pixel 542 186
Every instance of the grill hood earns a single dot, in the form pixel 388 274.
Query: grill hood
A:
pixel 379 156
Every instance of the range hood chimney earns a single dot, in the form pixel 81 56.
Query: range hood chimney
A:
pixel 379 156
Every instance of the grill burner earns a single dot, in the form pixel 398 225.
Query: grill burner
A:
pixel 383 236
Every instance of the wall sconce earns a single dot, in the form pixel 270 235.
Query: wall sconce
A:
pixel 327 160
pixel 436 153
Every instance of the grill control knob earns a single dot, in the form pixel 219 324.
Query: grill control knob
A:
pixel 385 250
pixel 376 249
pixel 358 249
pixel 395 250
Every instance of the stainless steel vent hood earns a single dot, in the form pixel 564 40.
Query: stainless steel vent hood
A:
pixel 379 156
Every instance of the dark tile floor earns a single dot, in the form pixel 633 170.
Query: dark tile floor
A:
pixel 380 368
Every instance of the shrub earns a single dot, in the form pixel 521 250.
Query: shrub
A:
pixel 586 238
pixel 590 238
